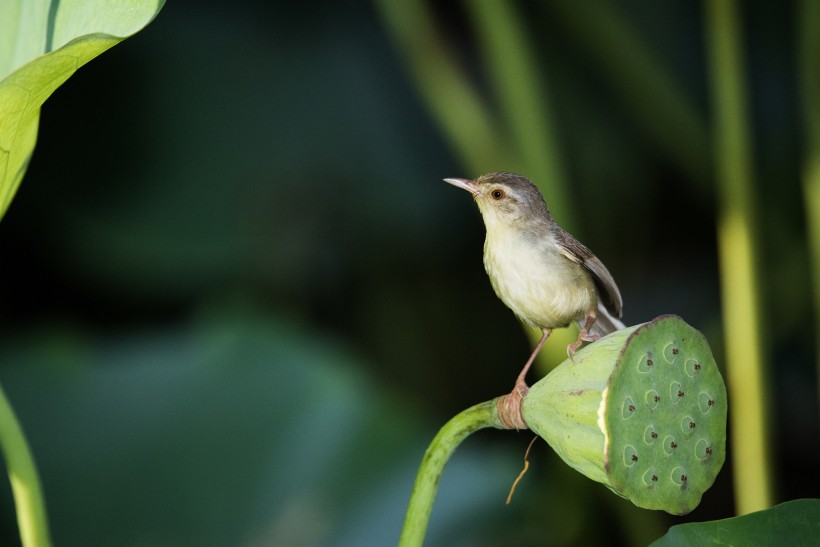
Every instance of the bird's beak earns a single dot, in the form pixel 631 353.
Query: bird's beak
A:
pixel 464 184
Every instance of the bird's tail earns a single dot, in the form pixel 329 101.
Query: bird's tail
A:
pixel 605 322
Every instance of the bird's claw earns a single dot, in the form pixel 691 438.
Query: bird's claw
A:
pixel 583 336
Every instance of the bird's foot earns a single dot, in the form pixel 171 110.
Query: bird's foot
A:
pixel 509 406
pixel 583 336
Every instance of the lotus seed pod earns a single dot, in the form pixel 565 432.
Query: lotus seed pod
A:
pixel 642 411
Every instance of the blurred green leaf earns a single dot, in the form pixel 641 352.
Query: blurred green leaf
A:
pixel 239 429
pixel 43 43
pixel 792 523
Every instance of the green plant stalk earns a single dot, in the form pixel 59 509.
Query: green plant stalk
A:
pixel 25 483
pixel 480 416
pixel 453 101
pixel 809 73
pixel 523 98
pixel 738 256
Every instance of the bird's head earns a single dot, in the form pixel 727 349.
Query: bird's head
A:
pixel 506 199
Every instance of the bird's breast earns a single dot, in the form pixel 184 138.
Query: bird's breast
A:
pixel 538 283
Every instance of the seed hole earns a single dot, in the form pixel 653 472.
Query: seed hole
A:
pixel 676 391
pixel 628 408
pixel 705 402
pixel 645 363
pixel 702 449
pixel 652 398
pixel 630 455
pixel 692 367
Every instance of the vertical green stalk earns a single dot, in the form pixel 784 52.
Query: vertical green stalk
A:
pixel 25 483
pixel 738 255
pixel 809 74
pixel 523 96
pixel 456 106
pixel 480 416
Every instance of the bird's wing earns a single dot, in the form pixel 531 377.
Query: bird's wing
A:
pixel 607 289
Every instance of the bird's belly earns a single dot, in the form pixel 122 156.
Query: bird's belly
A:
pixel 544 291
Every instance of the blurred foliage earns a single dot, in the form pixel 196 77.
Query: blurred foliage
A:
pixel 236 428
pixel 235 293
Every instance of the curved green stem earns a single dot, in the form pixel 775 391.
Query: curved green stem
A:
pixel 480 416
pixel 25 483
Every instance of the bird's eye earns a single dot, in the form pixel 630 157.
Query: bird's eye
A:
pixel 497 194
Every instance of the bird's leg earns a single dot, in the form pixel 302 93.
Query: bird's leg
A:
pixel 583 336
pixel 510 405
pixel 520 382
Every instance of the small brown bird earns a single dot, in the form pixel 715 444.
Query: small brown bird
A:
pixel 543 274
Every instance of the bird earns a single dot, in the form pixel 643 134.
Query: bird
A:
pixel 539 270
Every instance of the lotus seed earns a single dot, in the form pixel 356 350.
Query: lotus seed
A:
pixel 645 363
pixel 705 402
pixel 703 450
pixel 649 477
pixel 676 389
pixel 630 455
pixel 692 367
pixel 679 476
pixel 629 407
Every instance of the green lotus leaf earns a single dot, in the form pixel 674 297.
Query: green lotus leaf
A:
pixel 42 43
pixel 795 522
